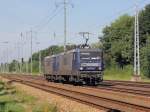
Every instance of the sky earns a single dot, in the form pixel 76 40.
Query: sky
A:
pixel 46 20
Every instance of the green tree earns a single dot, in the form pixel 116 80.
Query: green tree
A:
pixel 144 21
pixel 145 58
pixel 52 50
pixel 117 41
pixel 13 66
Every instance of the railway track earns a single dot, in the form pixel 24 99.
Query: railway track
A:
pixel 128 83
pixel 99 97
pixel 125 89
pixel 140 88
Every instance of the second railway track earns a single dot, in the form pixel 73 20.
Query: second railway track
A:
pixel 132 90
pixel 128 83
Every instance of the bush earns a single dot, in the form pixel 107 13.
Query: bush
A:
pixel 116 73
pixel 10 107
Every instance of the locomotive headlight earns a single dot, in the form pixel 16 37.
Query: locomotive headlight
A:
pixel 81 68
pixel 99 68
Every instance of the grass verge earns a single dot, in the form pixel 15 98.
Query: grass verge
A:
pixel 13 100
pixel 124 74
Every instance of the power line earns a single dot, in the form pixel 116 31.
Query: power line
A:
pixel 48 16
pixel 39 27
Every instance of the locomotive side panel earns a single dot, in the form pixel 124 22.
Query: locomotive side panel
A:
pixel 48 65
pixel 76 63
pixel 65 64
pixel 55 65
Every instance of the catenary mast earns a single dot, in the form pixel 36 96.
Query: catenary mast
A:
pixel 136 47
pixel 65 24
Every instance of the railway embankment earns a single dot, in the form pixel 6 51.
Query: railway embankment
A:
pixel 13 99
pixel 128 97
pixel 60 104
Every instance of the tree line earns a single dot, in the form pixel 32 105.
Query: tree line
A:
pixel 25 66
pixel 118 41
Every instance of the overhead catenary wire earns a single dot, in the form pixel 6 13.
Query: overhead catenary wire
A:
pixel 50 18
pixel 49 13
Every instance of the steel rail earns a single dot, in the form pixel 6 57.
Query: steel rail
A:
pixel 128 83
pixel 132 91
pixel 113 88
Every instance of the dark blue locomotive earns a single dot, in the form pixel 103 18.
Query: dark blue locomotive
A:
pixel 78 66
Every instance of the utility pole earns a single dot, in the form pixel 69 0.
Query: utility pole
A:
pixel 18 57
pixel 38 43
pixel 65 24
pixel 1 62
pixel 136 76
pixel 7 60
pixel 21 52
pixel 65 3
pixel 15 58
pixel 40 65
pixel 27 64
pixel 31 51
pixel 4 62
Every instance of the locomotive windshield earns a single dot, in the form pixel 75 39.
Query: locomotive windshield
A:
pixel 90 57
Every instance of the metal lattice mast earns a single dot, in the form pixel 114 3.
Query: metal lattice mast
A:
pixel 38 44
pixel 65 3
pixel 27 64
pixel 65 24
pixel 136 45
pixel 21 52
pixel 31 52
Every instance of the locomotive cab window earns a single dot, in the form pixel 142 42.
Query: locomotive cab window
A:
pixel 90 56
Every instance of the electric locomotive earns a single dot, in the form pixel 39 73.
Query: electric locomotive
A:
pixel 78 66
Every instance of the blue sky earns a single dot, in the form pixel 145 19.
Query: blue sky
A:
pixel 18 16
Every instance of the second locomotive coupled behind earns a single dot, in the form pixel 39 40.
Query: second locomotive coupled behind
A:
pixel 78 66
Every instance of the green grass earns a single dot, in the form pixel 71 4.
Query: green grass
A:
pixel 118 74
pixel 124 74
pixel 8 101
pixel 22 97
pixel 45 107
pixel 13 100
pixel 14 107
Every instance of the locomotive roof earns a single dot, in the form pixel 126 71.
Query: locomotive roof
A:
pixel 76 50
